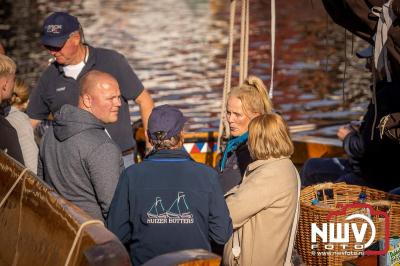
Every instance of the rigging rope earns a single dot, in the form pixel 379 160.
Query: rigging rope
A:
pixel 345 68
pixel 273 28
pixel 244 42
pixel 228 74
pixel 16 254
pixel 244 54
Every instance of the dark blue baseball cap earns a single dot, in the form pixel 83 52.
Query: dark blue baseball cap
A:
pixel 57 28
pixel 165 121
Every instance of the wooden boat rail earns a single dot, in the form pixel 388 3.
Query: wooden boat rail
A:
pixel 38 227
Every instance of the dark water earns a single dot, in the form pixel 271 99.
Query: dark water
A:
pixel 178 49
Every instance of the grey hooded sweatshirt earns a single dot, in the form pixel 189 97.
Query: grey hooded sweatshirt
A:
pixel 80 161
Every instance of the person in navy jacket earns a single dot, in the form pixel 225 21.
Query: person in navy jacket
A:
pixel 168 202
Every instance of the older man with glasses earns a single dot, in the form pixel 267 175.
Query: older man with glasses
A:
pixel 62 36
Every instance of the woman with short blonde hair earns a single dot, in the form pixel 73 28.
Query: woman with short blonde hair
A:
pixel 264 207
pixel 245 102
pixel 275 140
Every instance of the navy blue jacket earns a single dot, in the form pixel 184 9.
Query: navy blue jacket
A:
pixel 168 203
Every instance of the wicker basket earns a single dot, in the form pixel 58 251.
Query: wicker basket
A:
pixel 332 195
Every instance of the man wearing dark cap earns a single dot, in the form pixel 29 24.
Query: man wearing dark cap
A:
pixel 168 202
pixel 62 36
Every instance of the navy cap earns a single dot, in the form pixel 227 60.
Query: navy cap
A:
pixel 57 28
pixel 165 121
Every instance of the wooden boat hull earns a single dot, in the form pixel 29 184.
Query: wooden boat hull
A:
pixel 38 227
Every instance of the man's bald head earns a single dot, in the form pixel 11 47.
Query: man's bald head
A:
pixel 96 79
pixel 100 95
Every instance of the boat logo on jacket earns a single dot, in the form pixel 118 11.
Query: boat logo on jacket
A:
pixel 177 213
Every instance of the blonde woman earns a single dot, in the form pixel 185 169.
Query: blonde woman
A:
pixel 9 140
pixel 244 103
pixel 263 206
pixel 20 121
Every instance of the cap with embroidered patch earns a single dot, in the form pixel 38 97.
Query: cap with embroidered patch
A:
pixel 165 121
pixel 57 28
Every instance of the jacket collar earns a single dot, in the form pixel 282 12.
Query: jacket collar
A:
pixel 91 61
pixel 254 165
pixel 169 154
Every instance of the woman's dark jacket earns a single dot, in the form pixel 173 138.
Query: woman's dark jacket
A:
pixel 235 166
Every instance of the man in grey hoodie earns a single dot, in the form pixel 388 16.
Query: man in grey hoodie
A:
pixel 77 156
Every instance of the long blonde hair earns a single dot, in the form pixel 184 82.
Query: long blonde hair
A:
pixel 254 96
pixel 269 137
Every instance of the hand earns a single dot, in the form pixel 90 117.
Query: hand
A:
pixel 343 132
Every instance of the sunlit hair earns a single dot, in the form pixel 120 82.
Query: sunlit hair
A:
pixel 168 144
pixel 254 96
pixel 269 137
pixel 7 66
pixel 21 93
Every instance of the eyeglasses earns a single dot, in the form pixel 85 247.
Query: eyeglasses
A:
pixel 53 48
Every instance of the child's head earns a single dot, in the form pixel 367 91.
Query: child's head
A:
pixel 20 95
